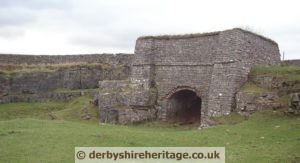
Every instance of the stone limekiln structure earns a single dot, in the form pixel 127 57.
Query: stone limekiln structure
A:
pixel 185 78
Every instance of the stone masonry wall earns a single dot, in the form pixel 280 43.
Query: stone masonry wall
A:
pixel 239 50
pixel 214 64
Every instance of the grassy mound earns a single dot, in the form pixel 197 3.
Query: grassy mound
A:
pixel 72 110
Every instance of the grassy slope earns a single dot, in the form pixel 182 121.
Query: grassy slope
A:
pixel 48 110
pixel 283 73
pixel 252 88
pixel 287 72
pixel 27 134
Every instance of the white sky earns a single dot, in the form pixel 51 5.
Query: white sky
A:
pixel 112 26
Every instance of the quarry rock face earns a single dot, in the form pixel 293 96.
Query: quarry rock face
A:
pixel 250 102
pixel 55 73
pixel 204 70
pixel 268 81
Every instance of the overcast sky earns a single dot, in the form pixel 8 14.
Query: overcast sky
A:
pixel 112 26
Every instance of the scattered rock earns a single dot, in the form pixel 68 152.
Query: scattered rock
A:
pixel 52 116
pixel 109 115
pixel 207 122
pixel 294 106
pixel 85 115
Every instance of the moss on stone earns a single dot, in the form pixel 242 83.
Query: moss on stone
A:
pixel 252 88
pixel 285 99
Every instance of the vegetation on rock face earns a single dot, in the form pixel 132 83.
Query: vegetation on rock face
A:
pixel 250 87
pixel 281 80
pixel 24 68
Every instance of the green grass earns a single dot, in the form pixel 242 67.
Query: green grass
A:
pixel 252 88
pixel 231 119
pixel 27 134
pixel 285 99
pixel 25 110
pixel 71 110
pixel 288 72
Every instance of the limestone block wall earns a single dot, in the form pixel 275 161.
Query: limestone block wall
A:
pixel 184 50
pixel 169 62
pixel 257 50
pixel 169 79
pixel 214 64
pixel 238 51
pixel 142 64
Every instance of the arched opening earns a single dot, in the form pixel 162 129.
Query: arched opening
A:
pixel 184 107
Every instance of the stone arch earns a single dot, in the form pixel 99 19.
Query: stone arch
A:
pixel 178 88
pixel 183 105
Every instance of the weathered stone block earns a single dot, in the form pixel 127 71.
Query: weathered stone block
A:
pixel 107 100
pixel 111 85
pixel 142 98
pixel 132 115
pixel 109 115
pixel 250 102
pixel 295 104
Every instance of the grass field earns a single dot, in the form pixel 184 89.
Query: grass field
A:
pixel 27 134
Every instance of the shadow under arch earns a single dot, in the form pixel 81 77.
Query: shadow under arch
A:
pixel 183 106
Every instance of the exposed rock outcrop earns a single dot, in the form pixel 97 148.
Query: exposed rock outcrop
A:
pixel 123 103
pixel 247 102
pixel 47 82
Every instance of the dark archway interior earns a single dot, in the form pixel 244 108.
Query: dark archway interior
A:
pixel 184 106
